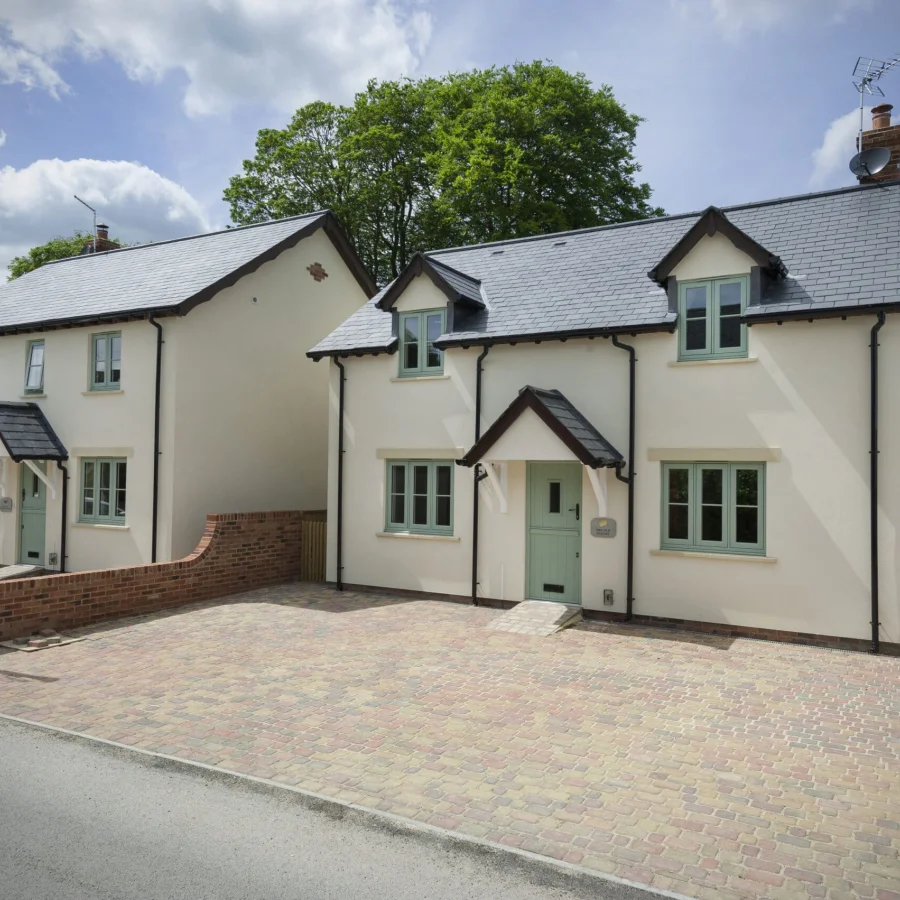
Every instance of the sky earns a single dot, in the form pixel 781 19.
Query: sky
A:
pixel 145 108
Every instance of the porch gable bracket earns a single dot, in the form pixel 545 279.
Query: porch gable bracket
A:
pixel 43 477
pixel 597 478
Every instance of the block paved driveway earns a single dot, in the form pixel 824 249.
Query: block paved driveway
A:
pixel 711 767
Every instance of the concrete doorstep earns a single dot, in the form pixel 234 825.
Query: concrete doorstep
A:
pixel 538 618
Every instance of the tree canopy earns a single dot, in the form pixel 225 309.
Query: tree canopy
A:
pixel 471 157
pixel 56 248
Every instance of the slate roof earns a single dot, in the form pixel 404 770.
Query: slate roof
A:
pixel 464 285
pixel 26 433
pixel 168 276
pixel 569 425
pixel 841 250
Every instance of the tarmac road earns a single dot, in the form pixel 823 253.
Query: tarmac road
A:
pixel 86 821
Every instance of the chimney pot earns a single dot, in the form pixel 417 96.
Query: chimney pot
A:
pixel 881 116
pixel 103 232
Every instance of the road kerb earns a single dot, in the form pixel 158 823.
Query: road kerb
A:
pixel 363 815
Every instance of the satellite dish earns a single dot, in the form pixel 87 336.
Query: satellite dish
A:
pixel 870 162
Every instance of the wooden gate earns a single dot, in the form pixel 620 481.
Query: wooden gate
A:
pixel 312 546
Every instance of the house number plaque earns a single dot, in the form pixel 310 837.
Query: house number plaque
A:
pixel 603 528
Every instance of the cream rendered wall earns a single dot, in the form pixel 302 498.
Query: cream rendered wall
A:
pixel 801 402
pixel 250 417
pixel 89 424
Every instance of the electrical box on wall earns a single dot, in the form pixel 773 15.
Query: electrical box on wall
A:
pixel 607 597
pixel 6 504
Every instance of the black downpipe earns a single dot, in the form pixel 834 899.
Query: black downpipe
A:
pixel 340 477
pixel 156 407
pixel 632 367
pixel 480 475
pixel 65 513
pixel 873 477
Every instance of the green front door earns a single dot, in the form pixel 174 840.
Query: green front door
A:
pixel 32 516
pixel 554 532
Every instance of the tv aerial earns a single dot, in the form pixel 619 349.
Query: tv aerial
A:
pixel 866 74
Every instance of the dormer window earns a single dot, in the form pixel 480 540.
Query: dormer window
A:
pixel 709 314
pixel 418 332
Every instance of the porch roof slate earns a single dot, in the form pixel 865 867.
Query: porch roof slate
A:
pixel 566 422
pixel 26 433
pixel 841 250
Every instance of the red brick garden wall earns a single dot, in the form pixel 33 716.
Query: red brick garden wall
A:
pixel 238 552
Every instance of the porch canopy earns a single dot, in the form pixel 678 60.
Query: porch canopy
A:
pixel 576 433
pixel 27 435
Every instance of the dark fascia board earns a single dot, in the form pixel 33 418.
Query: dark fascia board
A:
pixel 332 228
pixel 84 321
pixel 63 454
pixel 534 337
pixel 327 221
pixel 422 265
pixel 389 348
pixel 527 399
pixel 714 220
pixel 811 315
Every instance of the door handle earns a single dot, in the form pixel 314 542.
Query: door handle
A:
pixel 577 512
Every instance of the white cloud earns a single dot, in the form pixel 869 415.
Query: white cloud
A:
pixel 37 203
pixel 19 65
pixel 832 157
pixel 278 52
pixel 2 137
pixel 737 17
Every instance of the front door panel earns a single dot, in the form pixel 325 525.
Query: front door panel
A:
pixel 554 532
pixel 32 515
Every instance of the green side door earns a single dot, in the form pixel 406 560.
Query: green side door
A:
pixel 32 516
pixel 554 532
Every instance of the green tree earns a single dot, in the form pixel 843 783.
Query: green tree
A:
pixel 56 248
pixel 532 149
pixel 477 156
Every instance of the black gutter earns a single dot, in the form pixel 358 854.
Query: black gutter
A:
pixel 65 512
pixel 632 403
pixel 154 526
pixel 813 315
pixel 873 476
pixel 479 476
pixel 340 478
pixel 535 337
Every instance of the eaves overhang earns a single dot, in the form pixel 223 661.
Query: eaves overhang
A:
pixel 449 341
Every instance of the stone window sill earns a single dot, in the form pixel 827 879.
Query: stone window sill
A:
pixel 421 378
pixel 738 360
pixel 40 396
pixel 101 393
pixel 409 536
pixel 100 526
pixel 723 557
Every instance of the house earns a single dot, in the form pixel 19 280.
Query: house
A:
pixel 692 419
pixel 143 388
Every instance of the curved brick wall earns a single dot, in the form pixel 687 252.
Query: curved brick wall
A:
pixel 238 552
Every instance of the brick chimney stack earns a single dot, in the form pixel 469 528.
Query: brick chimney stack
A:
pixel 883 134
pixel 103 242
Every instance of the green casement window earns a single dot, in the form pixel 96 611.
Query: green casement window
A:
pixel 103 493
pixel 418 332
pixel 34 368
pixel 714 507
pixel 709 313
pixel 106 361
pixel 419 496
